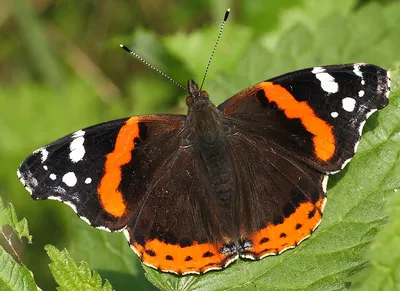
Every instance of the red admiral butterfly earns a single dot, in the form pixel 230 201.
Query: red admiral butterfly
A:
pixel 246 178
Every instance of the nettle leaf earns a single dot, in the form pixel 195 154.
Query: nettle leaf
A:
pixel 13 276
pixel 383 272
pixel 341 35
pixel 72 277
pixel 8 216
pixel 117 262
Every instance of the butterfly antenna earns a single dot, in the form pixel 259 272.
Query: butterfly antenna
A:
pixel 216 44
pixel 152 67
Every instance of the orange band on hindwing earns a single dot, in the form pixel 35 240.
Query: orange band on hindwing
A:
pixel 111 198
pixel 197 258
pixel 274 239
pixel 323 140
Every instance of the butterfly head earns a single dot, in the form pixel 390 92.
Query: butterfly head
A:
pixel 198 99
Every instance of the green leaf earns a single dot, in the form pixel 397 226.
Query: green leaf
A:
pixel 8 216
pixel 264 15
pixel 383 272
pixel 71 277
pixel 13 276
pixel 117 262
pixel 194 49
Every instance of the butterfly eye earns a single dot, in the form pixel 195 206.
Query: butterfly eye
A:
pixel 188 100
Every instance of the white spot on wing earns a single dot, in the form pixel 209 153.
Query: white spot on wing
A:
pixel 53 176
pixel 349 104
pixel 28 189
pixel 345 163
pixel 103 228
pixel 360 129
pixel 325 183
pixel 71 205
pixel 88 180
pixel 317 70
pixel 45 167
pixel 328 83
pixel 78 133
pixel 361 93
pixel 357 71
pixel 126 234
pixel 69 179
pixel 388 84
pixel 44 154
pixel 56 198
pixel 76 147
pixel 334 114
pixel 85 219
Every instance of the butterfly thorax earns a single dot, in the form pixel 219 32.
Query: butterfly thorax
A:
pixel 203 118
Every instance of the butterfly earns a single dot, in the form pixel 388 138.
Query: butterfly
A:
pixel 194 192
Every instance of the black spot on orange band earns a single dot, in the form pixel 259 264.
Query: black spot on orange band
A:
pixel 188 258
pixel 196 258
pixel 151 253
pixel 323 140
pixel 275 238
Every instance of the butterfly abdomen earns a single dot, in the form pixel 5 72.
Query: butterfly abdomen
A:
pixel 219 172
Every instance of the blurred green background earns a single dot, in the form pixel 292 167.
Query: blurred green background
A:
pixel 61 69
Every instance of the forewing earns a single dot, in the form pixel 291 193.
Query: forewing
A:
pixel 85 169
pixel 317 114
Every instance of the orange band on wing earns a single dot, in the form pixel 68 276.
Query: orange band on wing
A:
pixel 195 259
pixel 324 140
pixel 110 197
pixel 274 239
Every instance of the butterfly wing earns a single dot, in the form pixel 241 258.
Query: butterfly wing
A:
pixel 286 135
pixel 281 198
pixel 316 114
pixel 85 169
